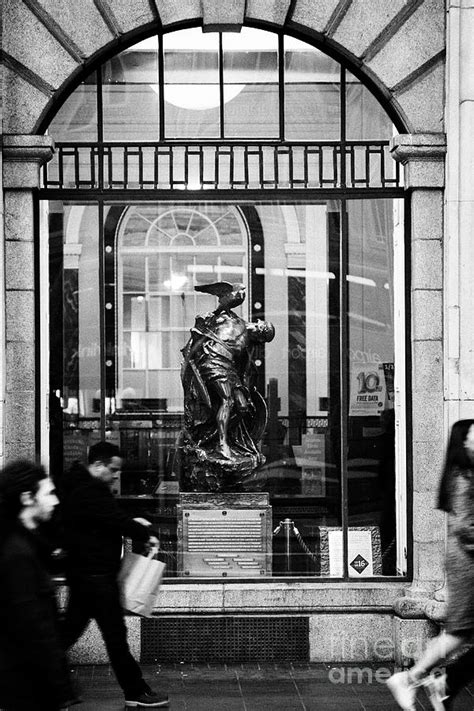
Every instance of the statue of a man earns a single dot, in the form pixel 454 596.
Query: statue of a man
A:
pixel 220 400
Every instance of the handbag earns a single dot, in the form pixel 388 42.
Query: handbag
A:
pixel 139 581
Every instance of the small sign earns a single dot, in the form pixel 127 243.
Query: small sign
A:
pixel 75 447
pixel 310 456
pixel 368 390
pixel 359 564
pixel 363 549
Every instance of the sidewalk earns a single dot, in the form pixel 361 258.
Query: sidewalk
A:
pixel 282 686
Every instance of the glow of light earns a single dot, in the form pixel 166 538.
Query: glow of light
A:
pixel 206 268
pixel 176 283
pixel 306 273
pixel 361 280
pixel 198 97
pixel 365 319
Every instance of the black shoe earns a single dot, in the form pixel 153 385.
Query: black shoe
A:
pixel 146 700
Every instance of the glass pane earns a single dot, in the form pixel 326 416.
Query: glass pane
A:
pixel 134 274
pixel 76 120
pixel 366 119
pixel 288 256
pixel 133 312
pixel 312 94
pixel 191 78
pixel 251 80
pixel 74 334
pixel 130 94
pixel 371 359
pixel 137 229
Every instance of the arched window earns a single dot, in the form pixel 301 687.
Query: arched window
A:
pixel 253 158
pixel 163 253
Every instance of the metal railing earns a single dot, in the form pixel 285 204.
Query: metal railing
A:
pixel 222 166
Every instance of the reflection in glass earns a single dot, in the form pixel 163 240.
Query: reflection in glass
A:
pixel 130 94
pixel 297 286
pixel 76 120
pixel 251 79
pixel 371 359
pixel 191 84
pixel 75 381
pixel 366 119
pixel 160 276
pixel 312 93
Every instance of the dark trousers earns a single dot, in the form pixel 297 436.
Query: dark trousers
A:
pixel 97 597
pixel 458 675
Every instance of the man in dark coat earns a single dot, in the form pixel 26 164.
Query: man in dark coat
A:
pixel 94 526
pixel 34 674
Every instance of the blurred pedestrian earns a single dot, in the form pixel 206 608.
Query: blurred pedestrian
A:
pixel 94 526
pixel 459 672
pixel 456 497
pixel 34 674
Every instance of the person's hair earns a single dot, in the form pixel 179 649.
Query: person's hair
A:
pixel 457 461
pixel 16 478
pixel 103 452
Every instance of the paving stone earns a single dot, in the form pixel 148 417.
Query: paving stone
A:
pixel 209 688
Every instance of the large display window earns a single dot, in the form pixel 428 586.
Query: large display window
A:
pixel 162 188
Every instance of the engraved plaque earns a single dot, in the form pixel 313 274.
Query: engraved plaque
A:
pixel 225 536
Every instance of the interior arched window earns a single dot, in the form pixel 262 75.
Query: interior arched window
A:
pixel 163 253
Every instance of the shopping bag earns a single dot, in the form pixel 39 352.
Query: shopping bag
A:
pixel 139 580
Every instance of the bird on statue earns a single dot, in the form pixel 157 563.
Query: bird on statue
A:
pixel 229 295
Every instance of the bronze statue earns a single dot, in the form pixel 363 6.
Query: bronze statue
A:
pixel 224 415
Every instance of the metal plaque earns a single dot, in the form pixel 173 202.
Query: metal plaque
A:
pixel 224 541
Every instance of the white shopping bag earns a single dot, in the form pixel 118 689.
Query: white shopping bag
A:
pixel 140 579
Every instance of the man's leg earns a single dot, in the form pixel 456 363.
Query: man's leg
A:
pixel 107 611
pixel 76 618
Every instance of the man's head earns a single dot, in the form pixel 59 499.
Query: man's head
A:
pixel 104 461
pixel 261 331
pixel 26 493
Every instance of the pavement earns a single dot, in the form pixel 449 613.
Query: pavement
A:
pixel 282 686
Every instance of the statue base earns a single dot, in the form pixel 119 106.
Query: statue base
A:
pixel 210 471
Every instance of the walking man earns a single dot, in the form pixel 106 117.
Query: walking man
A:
pixel 34 674
pixel 93 526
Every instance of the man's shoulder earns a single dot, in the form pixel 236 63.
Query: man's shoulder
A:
pixel 85 487
pixel 17 545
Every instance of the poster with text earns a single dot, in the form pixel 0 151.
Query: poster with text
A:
pixel 368 390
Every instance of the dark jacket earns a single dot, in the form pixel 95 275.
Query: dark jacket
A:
pixel 94 524
pixel 33 669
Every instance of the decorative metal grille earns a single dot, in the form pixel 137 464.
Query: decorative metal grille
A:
pixel 224 639
pixel 250 166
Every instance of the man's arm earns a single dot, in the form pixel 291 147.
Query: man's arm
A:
pixel 98 506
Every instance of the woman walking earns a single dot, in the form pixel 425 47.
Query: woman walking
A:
pixel 456 498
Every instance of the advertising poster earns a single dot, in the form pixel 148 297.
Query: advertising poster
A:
pixel 368 393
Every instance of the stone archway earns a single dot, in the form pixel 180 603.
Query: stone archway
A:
pixel 399 48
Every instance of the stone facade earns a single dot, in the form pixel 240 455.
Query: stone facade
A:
pixel 420 59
